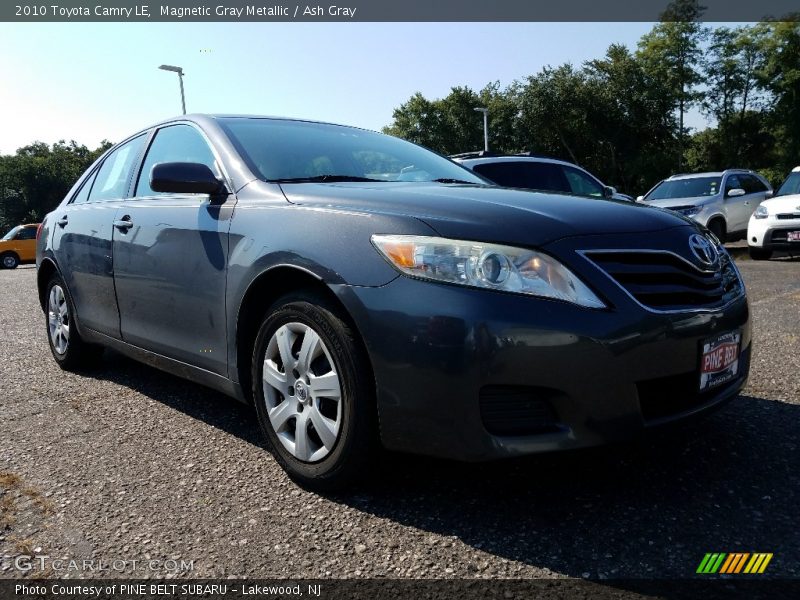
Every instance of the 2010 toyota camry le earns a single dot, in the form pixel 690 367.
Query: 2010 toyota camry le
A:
pixel 362 291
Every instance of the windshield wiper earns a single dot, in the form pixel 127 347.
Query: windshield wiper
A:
pixel 323 179
pixel 450 180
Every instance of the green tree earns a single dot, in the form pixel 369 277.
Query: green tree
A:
pixel 37 177
pixel 779 76
pixel 672 53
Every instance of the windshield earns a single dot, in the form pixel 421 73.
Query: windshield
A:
pixel 791 185
pixel 10 235
pixel 298 151
pixel 691 187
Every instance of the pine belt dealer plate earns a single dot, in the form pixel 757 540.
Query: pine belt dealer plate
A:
pixel 719 360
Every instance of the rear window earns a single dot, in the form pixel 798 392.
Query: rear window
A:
pixel 525 174
pixel 691 187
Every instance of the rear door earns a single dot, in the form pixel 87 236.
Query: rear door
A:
pixel 82 238
pixel 171 259
pixel 756 194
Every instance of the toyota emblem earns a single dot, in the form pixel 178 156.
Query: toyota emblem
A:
pixel 703 249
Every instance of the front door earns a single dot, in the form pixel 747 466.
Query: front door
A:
pixel 171 259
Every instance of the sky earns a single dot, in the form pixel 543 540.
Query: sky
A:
pixel 88 82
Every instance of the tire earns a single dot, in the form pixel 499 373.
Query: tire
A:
pixel 68 348
pixel 717 227
pixel 338 439
pixel 9 260
pixel 760 253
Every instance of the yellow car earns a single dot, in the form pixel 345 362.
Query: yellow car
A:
pixel 18 246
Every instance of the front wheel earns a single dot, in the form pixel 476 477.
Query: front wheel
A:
pixel 760 254
pixel 312 392
pixel 9 260
pixel 66 344
pixel 717 227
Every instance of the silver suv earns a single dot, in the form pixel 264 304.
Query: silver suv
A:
pixel 528 171
pixel 722 201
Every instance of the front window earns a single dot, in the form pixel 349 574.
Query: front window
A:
pixel 791 185
pixel 691 187
pixel 11 234
pixel 582 184
pixel 297 151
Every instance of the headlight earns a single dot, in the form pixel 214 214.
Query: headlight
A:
pixel 488 266
pixel 761 212
pixel 690 211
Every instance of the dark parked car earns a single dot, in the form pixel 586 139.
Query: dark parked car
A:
pixel 360 290
pixel 541 173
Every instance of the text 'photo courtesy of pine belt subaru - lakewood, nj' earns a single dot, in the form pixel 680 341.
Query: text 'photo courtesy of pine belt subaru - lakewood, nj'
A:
pixel 363 292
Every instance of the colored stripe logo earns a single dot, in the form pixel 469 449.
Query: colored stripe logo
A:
pixel 734 562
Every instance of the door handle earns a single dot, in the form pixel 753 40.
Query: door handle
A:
pixel 62 222
pixel 124 224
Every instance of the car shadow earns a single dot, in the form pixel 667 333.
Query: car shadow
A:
pixel 645 511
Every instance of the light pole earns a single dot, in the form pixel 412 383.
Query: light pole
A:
pixel 179 71
pixel 485 112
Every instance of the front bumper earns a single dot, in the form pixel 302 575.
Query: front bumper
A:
pixel 474 374
pixel 771 234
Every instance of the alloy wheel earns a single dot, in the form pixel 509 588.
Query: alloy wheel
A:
pixel 58 319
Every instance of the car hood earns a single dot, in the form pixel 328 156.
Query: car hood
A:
pixel 678 202
pixel 783 204
pixel 488 213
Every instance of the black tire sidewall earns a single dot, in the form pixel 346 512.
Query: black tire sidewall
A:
pixel 79 354
pixel 719 230
pixel 352 448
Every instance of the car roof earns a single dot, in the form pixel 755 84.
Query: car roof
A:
pixel 511 158
pixel 708 174
pixel 796 170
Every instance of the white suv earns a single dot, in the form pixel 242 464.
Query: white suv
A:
pixel 722 201
pixel 528 171
pixel 775 225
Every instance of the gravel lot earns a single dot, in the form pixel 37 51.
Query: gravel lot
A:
pixel 129 463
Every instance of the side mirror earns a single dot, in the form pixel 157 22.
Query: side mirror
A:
pixel 185 178
pixel 639 198
pixel 736 192
pixel 769 194
pixel 608 191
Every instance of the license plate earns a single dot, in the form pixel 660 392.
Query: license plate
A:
pixel 719 360
pixel 793 236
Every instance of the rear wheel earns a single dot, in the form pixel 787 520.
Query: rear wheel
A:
pixel 760 254
pixel 66 344
pixel 717 227
pixel 312 391
pixel 9 260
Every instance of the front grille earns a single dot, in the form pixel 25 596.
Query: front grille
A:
pixel 781 235
pixel 663 281
pixel 786 216
pixel 518 410
pixel 664 397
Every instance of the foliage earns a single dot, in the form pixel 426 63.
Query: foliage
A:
pixel 35 179
pixel 621 115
